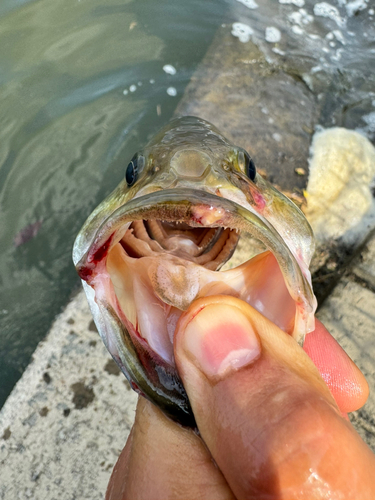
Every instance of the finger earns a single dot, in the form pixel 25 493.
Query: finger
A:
pixel 163 460
pixel 343 377
pixel 263 410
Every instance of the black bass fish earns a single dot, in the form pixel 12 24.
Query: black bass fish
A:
pixel 189 203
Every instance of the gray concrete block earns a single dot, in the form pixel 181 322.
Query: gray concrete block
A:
pixel 364 266
pixel 349 314
pixel 66 421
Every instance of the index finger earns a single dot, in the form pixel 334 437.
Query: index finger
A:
pixel 343 377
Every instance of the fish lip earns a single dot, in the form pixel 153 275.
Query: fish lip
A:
pixel 202 208
pixel 155 379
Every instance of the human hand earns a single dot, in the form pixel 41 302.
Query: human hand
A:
pixel 264 414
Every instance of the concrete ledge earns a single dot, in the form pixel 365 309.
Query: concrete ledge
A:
pixel 349 314
pixel 66 421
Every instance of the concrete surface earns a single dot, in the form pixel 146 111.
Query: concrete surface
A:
pixel 66 421
pixel 364 266
pixel 349 314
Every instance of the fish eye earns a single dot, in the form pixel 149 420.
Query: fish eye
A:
pixel 250 169
pixel 246 164
pixel 131 174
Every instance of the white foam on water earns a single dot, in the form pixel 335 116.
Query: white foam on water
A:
pixel 171 91
pixel 300 17
pixel 250 4
pixel 169 69
pixel 278 51
pixel 370 121
pixel 297 30
pixel 273 35
pixel 337 55
pixel 339 36
pixel 133 88
pixel 355 6
pixel 324 9
pixel 297 3
pixel 242 31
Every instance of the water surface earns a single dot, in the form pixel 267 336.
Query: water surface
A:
pixel 82 87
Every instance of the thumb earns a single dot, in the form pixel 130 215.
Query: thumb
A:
pixel 263 410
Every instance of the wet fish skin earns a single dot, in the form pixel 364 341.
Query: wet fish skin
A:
pixel 184 173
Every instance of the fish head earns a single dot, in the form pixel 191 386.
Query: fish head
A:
pixel 190 202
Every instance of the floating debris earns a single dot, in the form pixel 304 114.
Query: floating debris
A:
pixel 250 4
pixel 352 8
pixel 325 9
pixel 242 31
pixel 27 233
pixel 171 91
pixel 169 69
pixel 297 3
pixel 273 35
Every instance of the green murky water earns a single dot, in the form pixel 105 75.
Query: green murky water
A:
pixel 82 88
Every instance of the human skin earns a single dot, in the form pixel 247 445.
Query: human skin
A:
pixel 269 426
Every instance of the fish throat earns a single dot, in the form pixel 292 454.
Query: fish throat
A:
pixel 209 247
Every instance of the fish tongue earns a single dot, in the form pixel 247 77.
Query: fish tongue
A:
pixel 259 282
pixel 175 281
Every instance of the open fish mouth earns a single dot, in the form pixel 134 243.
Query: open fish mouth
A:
pixel 158 253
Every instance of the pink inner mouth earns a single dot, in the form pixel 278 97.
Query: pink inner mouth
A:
pixel 158 268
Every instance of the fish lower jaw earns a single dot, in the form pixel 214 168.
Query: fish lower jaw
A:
pixel 152 292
